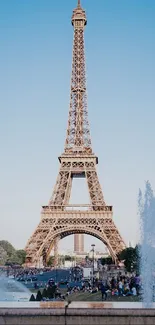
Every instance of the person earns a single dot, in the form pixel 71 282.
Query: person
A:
pixel 113 283
pixel 134 291
pixel 120 288
pixel 103 291
pixel 137 284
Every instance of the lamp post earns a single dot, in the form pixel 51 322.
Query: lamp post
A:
pixel 56 271
pixel 93 250
pixel 56 275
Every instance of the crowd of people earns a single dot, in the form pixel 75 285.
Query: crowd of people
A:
pixel 121 286
pixel 22 273
pixel 126 285
pixel 109 286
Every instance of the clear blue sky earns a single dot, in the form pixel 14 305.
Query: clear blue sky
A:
pixel 35 68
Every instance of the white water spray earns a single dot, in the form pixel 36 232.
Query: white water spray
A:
pixel 12 290
pixel 146 205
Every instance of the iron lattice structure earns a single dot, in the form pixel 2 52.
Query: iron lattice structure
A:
pixel 58 218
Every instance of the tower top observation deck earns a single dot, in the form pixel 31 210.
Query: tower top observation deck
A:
pixel 79 16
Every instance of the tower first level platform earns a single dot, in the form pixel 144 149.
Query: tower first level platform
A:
pixel 62 221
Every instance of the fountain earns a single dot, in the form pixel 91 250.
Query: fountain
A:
pixel 11 290
pixel 146 205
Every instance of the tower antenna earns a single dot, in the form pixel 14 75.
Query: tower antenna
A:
pixel 79 3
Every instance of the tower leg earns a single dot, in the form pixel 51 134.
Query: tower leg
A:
pixel 44 257
pixel 56 252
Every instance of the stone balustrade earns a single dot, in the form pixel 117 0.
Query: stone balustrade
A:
pixel 76 313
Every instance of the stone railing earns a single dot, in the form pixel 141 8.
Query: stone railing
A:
pixel 63 313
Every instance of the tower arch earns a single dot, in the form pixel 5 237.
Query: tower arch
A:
pixel 58 223
pixel 61 234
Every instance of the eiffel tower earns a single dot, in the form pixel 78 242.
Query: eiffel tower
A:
pixel 58 218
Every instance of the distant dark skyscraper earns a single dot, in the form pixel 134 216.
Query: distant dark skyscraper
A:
pixel 78 243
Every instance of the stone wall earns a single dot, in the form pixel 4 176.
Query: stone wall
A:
pixel 82 314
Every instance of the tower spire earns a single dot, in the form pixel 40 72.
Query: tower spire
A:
pixel 78 134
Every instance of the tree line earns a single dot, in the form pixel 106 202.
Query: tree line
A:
pixel 130 256
pixel 10 256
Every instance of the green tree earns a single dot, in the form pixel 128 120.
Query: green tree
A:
pixel 50 261
pixel 3 256
pixel 7 247
pixel 131 258
pixel 13 256
pixel 21 255
pixel 39 296
pixel 44 293
pixel 68 258
pixel 106 260
pixel 32 298
pixel 62 259
pixel 13 259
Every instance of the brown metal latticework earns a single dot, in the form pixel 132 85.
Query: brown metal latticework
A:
pixel 59 219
